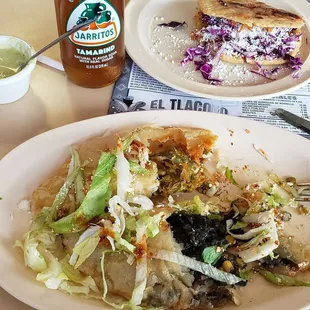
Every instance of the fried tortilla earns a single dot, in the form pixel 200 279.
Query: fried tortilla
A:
pixel 255 19
pixel 250 13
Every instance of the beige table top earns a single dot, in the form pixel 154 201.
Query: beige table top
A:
pixel 52 100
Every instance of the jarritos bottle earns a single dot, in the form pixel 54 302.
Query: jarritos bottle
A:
pixel 95 55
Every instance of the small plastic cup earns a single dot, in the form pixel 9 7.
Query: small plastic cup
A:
pixel 16 86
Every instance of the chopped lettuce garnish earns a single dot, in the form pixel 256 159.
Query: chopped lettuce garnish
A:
pixel 141 267
pixel 79 181
pixel 283 280
pixel 61 196
pixel 38 246
pixel 32 256
pixel 194 206
pixel 201 267
pixel 230 177
pixel 124 177
pixel 53 275
pixel 123 244
pixel 264 238
pixel 117 207
pixel 135 168
pixel 95 201
pixel 212 254
pixel 76 276
pixel 152 223
pixel 105 285
pixel 85 246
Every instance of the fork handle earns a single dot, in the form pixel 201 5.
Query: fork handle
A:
pixel 294 120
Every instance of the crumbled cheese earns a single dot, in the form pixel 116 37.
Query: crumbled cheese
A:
pixel 257 42
pixel 24 205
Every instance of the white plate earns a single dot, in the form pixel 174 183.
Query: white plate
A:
pixel 22 170
pixel 154 48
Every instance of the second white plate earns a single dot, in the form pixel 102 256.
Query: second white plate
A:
pixel 158 51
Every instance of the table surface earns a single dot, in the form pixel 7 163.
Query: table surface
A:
pixel 52 100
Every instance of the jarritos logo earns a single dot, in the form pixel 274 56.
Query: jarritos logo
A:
pixel 104 31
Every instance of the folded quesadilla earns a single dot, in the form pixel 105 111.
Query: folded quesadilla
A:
pixel 248 31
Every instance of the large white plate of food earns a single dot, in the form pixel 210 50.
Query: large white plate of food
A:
pixel 229 50
pixel 157 210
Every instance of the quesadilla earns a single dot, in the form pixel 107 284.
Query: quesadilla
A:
pixel 248 31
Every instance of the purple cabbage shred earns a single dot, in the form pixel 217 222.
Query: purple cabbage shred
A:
pixel 266 73
pixel 202 58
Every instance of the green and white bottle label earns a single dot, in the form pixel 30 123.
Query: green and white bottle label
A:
pixel 105 31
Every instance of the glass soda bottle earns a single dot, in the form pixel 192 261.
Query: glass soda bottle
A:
pixel 95 55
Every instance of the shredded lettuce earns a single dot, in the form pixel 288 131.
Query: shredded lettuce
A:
pixel 32 256
pixel 85 246
pixel 247 235
pixel 254 242
pixel 53 275
pixel 61 196
pixel 123 244
pixel 38 246
pixel 105 284
pixel 152 223
pixel 87 282
pixel 39 236
pixel 95 201
pixel 79 182
pixel 264 239
pixel 117 206
pixel 141 267
pixel 194 206
pixel 124 177
pixel 201 267
pixel 135 168
pixel 117 200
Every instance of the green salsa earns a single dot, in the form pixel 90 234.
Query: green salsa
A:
pixel 10 60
